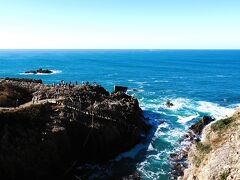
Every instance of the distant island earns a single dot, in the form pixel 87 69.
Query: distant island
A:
pixel 40 71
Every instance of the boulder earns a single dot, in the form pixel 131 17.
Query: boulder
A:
pixel 198 127
pixel 169 104
pixel 122 89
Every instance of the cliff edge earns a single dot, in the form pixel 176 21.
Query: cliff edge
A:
pixel 47 130
pixel 217 155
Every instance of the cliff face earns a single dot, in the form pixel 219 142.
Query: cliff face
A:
pixel 217 155
pixel 11 95
pixel 79 124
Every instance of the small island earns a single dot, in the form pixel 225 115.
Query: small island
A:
pixel 39 71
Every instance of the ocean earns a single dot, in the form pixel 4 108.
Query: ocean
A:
pixel 197 82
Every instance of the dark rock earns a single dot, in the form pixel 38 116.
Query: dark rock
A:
pixel 177 169
pixel 198 127
pixel 169 104
pixel 46 141
pixel 179 158
pixel 134 176
pixel 25 80
pixel 122 89
pixel 42 71
pixel 12 96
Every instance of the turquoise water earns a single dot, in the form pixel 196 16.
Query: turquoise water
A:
pixel 198 82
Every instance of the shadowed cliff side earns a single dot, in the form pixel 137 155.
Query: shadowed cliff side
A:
pixel 80 124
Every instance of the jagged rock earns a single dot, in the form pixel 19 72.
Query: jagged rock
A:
pixel 179 158
pixel 42 71
pixel 218 156
pixel 198 127
pixel 88 125
pixel 169 104
pixel 11 95
pixel 24 80
pixel 121 89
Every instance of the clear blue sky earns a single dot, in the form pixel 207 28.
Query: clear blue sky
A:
pixel 149 24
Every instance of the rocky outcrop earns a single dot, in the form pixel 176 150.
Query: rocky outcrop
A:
pixel 197 128
pixel 24 80
pixel 84 123
pixel 122 89
pixel 11 95
pixel 168 104
pixel 179 158
pixel 41 71
pixel 217 155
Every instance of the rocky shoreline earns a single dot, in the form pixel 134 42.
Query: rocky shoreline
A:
pixel 179 158
pixel 62 125
pixel 211 150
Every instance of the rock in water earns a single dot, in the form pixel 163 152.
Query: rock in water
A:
pixel 169 104
pixel 41 71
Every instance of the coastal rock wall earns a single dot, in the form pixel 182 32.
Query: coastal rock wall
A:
pixel 47 140
pixel 217 155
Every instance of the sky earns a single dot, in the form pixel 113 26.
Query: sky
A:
pixel 119 24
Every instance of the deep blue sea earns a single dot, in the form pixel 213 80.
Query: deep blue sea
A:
pixel 197 82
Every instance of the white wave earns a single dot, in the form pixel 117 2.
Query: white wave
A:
pixel 140 82
pixel 150 106
pixel 132 153
pixel 160 81
pixel 215 110
pixel 156 156
pixel 178 103
pixel 130 80
pixel 222 76
pixel 189 108
pixel 150 147
pixel 158 131
pixel 144 168
pixel 173 135
pixel 182 119
pixel 140 90
pixel 56 71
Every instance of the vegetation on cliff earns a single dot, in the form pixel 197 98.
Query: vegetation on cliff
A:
pixel 217 155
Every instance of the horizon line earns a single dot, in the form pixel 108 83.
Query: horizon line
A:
pixel 150 49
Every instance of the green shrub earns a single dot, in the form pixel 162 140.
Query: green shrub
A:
pixel 197 161
pixel 202 148
pixel 221 124
pixel 224 175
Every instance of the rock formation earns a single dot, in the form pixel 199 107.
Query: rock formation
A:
pixel 179 158
pixel 42 71
pixel 67 125
pixel 169 104
pixel 217 155
pixel 11 95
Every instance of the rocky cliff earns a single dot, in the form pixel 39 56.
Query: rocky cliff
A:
pixel 64 125
pixel 217 155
